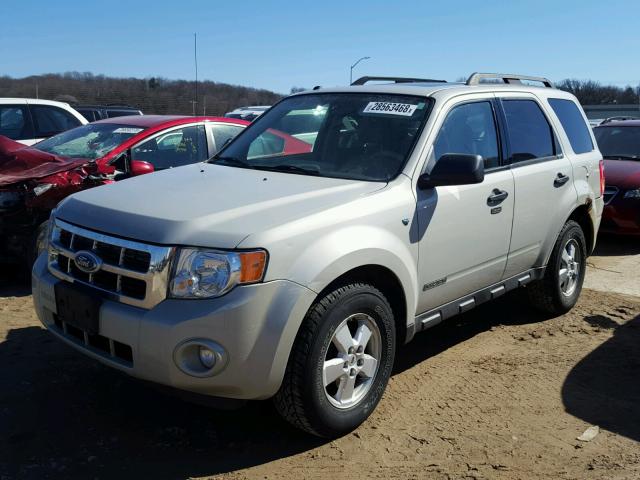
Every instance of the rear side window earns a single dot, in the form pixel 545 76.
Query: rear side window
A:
pixel 52 120
pixel 15 122
pixel 530 135
pixel 573 124
pixel 222 134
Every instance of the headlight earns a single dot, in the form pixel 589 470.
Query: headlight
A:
pixel 211 273
pixel 42 188
pixel 632 193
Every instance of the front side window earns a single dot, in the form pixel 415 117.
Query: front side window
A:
pixel 343 135
pixel 175 148
pixel 618 142
pixel 469 129
pixel 573 123
pixel 15 123
pixel 52 120
pixel 530 135
pixel 90 141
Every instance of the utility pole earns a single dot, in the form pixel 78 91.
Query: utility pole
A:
pixel 195 58
pixel 352 67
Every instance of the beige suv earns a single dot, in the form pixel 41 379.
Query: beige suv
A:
pixel 343 221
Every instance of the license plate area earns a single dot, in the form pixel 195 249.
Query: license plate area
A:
pixel 78 307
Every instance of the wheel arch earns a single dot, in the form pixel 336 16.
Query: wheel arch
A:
pixel 385 280
pixel 582 216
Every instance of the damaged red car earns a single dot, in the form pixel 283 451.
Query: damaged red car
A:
pixel 34 179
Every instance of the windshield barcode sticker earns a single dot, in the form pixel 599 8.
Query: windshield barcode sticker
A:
pixel 390 108
pixel 128 130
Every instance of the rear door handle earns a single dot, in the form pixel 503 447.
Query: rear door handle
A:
pixel 497 197
pixel 560 180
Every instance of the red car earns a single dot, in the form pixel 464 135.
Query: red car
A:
pixel 34 179
pixel 619 142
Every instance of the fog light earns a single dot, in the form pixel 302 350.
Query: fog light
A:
pixel 200 357
pixel 207 357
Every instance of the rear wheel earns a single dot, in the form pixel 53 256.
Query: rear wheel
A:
pixel 558 291
pixel 340 363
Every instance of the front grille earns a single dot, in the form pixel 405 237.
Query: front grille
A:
pixel 131 272
pixel 104 346
pixel 609 193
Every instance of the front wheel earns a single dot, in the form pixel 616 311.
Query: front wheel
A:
pixel 340 363
pixel 558 291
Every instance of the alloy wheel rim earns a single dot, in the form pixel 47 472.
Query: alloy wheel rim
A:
pixel 569 272
pixel 352 359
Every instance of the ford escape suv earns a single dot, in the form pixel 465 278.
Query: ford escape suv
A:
pixel 297 275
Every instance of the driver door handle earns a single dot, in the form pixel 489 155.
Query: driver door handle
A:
pixel 560 180
pixel 497 197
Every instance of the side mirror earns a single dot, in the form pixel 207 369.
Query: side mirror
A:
pixel 454 169
pixel 140 167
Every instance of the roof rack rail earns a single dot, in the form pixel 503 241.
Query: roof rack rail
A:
pixel 476 78
pixel 618 119
pixel 363 80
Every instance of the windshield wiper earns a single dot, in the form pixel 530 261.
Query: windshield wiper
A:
pixel 622 157
pixel 230 161
pixel 287 168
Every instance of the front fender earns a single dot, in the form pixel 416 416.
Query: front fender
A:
pixel 331 255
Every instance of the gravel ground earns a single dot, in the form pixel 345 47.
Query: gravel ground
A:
pixel 499 393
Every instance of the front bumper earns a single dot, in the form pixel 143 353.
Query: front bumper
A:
pixel 255 324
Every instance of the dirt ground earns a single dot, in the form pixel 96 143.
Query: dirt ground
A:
pixel 499 393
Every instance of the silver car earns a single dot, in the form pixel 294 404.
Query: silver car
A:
pixel 338 225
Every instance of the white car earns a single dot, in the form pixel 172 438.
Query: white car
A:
pixel 248 113
pixel 29 120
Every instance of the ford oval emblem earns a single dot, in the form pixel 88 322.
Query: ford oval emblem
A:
pixel 87 262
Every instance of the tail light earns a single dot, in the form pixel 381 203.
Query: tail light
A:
pixel 601 177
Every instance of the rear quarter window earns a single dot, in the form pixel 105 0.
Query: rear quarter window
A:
pixel 573 124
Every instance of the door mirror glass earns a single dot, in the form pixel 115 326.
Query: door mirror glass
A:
pixel 140 167
pixel 454 169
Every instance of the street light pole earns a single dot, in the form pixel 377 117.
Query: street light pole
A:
pixel 352 67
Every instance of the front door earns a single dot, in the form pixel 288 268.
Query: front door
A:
pixel 465 230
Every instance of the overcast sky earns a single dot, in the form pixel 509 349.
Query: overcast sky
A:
pixel 278 44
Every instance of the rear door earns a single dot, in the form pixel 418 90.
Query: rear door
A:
pixel 544 191
pixel 464 230
pixel 49 120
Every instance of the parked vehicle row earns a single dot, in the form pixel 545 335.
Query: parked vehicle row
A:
pixel 94 113
pixel 34 179
pixel 294 263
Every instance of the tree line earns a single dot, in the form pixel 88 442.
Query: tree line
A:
pixel 162 96
pixel 154 95
pixel 593 93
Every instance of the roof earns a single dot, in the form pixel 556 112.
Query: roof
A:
pixel 148 121
pixel 32 101
pixel 448 89
pixel 620 123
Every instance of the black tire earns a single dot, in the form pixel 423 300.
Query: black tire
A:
pixel 38 241
pixel 546 294
pixel 302 400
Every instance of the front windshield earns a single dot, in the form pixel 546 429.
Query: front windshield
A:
pixel 618 142
pixel 342 135
pixel 90 141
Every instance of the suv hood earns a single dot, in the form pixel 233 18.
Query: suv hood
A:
pixel 206 205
